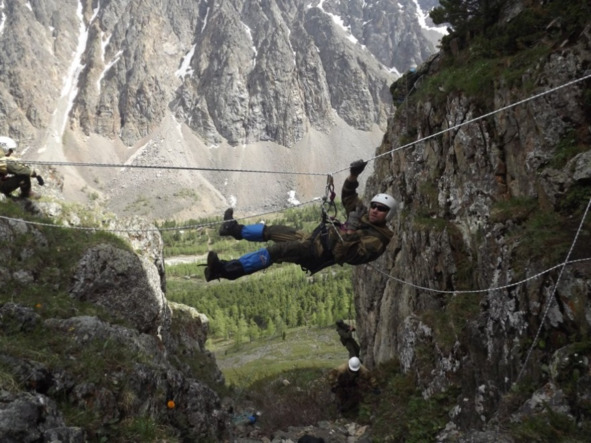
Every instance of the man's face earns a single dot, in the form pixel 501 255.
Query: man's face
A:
pixel 377 213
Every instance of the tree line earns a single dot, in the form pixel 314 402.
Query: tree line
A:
pixel 492 28
pixel 268 303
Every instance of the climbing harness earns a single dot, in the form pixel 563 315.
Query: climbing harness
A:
pixel 328 199
pixel 328 204
pixel 321 231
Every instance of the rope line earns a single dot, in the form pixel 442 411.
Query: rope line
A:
pixel 475 119
pixel 172 228
pixel 408 145
pixel 186 227
pixel 551 296
pixel 475 291
pixel 371 265
pixel 169 167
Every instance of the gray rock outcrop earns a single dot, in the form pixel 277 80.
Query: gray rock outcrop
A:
pixel 133 357
pixel 28 417
pixel 473 290
pixel 105 273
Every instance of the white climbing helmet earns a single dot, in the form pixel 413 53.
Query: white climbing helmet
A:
pixel 7 143
pixel 354 364
pixel 386 200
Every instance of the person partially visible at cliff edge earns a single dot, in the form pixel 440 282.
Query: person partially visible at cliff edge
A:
pixel 345 332
pixel 14 175
pixel 362 239
pixel 349 382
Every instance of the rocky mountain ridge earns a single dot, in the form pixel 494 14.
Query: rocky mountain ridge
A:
pixel 213 85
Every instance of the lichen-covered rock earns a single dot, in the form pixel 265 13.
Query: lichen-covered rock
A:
pixel 151 384
pixel 473 290
pixel 192 326
pixel 28 417
pixel 125 284
pixel 145 365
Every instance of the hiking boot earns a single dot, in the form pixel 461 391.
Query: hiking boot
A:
pixel 217 268
pixel 214 265
pixel 230 227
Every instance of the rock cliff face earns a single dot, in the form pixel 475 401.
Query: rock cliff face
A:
pixel 492 206
pixel 206 84
pixel 86 328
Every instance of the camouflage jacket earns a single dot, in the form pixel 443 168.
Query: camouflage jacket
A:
pixel 367 242
pixel 342 378
pixel 10 165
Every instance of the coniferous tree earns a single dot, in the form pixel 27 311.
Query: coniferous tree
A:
pixel 292 315
pixel 231 330
pixel 219 324
pixel 280 325
pixel 253 331
pixel 321 315
pixel 271 329
pixel 241 331
pixel 467 17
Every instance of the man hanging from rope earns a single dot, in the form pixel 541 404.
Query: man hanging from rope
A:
pixel 363 238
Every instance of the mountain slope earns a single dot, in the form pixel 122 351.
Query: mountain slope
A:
pixel 203 84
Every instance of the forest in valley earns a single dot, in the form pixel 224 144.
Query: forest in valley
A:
pixel 262 304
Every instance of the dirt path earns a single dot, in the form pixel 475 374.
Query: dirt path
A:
pixel 184 259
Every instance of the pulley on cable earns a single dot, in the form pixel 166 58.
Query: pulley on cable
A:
pixel 328 202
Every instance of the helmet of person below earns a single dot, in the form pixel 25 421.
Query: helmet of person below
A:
pixel 6 143
pixel 354 364
pixel 386 200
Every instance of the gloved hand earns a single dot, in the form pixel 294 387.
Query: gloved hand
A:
pixel 40 180
pixel 357 167
pixel 354 218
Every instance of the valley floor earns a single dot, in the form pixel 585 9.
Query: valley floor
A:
pixel 273 359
